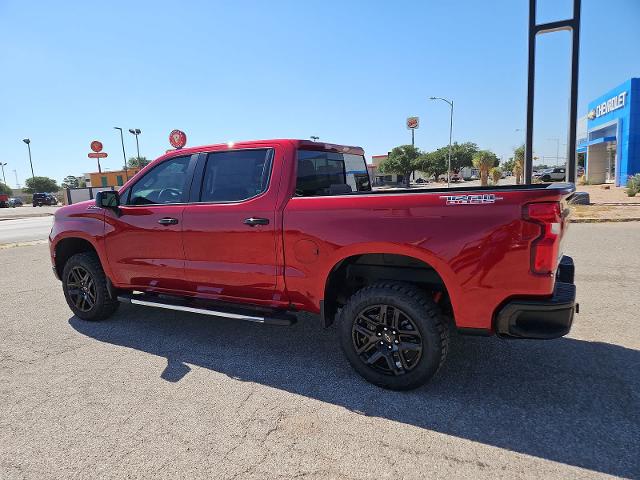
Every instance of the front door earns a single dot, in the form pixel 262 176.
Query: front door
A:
pixel 143 238
pixel 230 228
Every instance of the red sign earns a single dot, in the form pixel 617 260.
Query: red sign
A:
pixel 96 146
pixel 413 123
pixel 98 155
pixel 177 138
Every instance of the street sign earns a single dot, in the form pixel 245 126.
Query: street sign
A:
pixel 98 155
pixel 96 146
pixel 177 138
pixel 413 123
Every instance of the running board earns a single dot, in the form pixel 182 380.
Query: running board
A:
pixel 269 317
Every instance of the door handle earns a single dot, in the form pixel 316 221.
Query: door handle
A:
pixel 252 221
pixel 168 221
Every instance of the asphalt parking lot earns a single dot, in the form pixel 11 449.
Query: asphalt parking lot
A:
pixel 153 393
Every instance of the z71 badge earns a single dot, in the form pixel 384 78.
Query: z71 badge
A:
pixel 470 199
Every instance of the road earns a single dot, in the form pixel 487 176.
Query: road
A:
pixel 161 394
pixel 25 229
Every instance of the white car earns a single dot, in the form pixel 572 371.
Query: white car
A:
pixel 556 174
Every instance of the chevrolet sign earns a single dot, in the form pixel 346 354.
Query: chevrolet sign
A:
pixel 614 103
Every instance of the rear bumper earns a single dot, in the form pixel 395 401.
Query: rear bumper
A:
pixel 545 318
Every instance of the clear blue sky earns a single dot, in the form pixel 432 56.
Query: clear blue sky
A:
pixel 347 71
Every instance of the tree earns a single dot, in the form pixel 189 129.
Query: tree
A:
pixel 484 160
pixel 508 165
pixel 496 174
pixel 5 189
pixel 518 167
pixel 70 181
pixel 461 156
pixel 401 160
pixel 432 163
pixel 135 162
pixel 40 184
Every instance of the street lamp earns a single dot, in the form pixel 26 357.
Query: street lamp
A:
pixel 28 142
pixel 4 180
pixel 450 102
pixel 124 155
pixel 314 138
pixel 136 132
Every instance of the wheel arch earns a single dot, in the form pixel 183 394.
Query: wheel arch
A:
pixel 358 269
pixel 66 247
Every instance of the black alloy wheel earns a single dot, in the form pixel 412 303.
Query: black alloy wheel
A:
pixel 393 334
pixel 86 289
pixel 386 339
pixel 82 288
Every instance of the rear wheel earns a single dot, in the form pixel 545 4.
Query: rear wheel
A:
pixel 85 288
pixel 394 335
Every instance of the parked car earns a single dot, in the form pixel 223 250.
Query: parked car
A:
pixel 552 174
pixel 456 177
pixel 40 199
pixel 4 200
pixel 421 180
pixel 15 202
pixel 260 230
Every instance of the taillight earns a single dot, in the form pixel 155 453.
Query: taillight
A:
pixel 545 248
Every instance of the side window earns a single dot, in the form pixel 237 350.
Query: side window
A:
pixel 329 173
pixel 163 184
pixel 235 176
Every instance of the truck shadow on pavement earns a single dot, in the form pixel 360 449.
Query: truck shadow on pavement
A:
pixel 566 400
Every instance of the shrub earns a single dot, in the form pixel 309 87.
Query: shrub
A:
pixel 633 185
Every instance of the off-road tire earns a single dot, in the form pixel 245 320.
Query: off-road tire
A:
pixel 104 306
pixel 423 313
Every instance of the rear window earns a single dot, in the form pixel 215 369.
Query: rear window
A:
pixel 329 173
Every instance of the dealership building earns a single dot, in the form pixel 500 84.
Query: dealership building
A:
pixel 609 135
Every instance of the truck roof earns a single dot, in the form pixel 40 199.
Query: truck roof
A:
pixel 306 144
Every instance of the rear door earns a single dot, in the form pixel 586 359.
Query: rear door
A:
pixel 144 238
pixel 230 227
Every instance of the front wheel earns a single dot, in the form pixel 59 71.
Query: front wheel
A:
pixel 394 335
pixel 85 288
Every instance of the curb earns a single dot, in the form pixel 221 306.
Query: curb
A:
pixel 23 244
pixel 39 215
pixel 604 220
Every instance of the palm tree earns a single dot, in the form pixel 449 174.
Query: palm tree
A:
pixel 496 174
pixel 518 167
pixel 483 161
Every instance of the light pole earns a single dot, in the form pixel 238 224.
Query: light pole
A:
pixel 450 102
pixel 16 174
pixel 136 132
pixel 124 155
pixel 314 138
pixel 28 142
pixel 4 180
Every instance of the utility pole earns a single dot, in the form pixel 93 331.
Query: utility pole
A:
pixel 4 180
pixel 124 155
pixel 136 132
pixel 28 142
pixel 450 102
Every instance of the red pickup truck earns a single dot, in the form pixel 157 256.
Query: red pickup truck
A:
pixel 263 229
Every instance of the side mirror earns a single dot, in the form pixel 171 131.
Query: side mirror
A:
pixel 108 199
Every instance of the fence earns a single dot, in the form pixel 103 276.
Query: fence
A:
pixel 75 195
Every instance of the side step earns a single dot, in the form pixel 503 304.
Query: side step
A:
pixel 269 317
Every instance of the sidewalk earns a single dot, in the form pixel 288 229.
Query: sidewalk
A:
pixel 607 205
pixel 27 211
